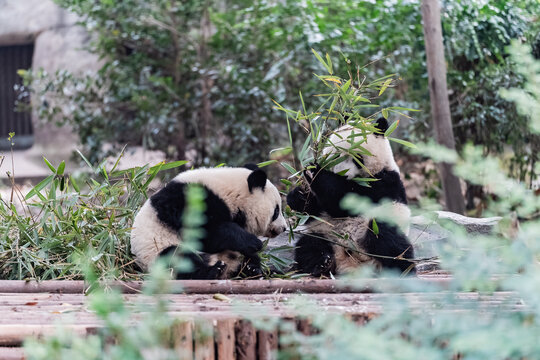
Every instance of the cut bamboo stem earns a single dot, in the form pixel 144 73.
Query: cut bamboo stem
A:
pixel 215 286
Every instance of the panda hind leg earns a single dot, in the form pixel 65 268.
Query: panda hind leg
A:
pixel 393 244
pixel 200 270
pixel 314 255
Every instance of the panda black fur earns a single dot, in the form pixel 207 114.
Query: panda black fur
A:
pixel 241 204
pixel 318 256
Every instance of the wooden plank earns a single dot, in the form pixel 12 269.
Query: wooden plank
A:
pixel 267 344
pixel 246 340
pixel 204 340
pixel 225 339
pixel 182 334
pixel 12 353
pixel 14 334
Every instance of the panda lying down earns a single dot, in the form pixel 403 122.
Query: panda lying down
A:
pixel 343 242
pixel 241 204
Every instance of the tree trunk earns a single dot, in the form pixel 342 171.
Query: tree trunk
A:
pixel 206 83
pixel 440 106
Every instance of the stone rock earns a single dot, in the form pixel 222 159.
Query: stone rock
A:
pixel 472 225
pixel 22 21
pixel 58 44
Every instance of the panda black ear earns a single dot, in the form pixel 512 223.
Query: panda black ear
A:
pixel 257 179
pixel 381 125
pixel 251 166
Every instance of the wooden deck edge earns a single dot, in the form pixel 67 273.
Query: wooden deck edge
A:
pixel 11 353
pixel 14 335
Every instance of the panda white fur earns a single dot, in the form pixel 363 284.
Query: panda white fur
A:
pixel 324 247
pixel 241 204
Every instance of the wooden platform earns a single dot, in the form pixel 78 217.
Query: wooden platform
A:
pixel 32 309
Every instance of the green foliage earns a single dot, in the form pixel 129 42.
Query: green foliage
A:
pixel 528 98
pixel 476 35
pixel 65 217
pixel 346 101
pixel 172 82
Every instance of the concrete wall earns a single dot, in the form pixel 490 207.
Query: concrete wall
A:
pixel 58 44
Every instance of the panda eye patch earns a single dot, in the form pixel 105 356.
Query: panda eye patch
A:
pixel 276 213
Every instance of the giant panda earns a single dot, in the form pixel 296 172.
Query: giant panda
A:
pixel 241 204
pixel 328 246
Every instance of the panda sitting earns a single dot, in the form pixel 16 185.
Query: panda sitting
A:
pixel 343 241
pixel 241 204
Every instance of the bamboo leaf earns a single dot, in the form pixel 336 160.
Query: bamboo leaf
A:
pixel 61 167
pixel 166 166
pixel 286 182
pixel 322 61
pixel 302 100
pixel 403 142
pixel 360 98
pixel 375 227
pixel 289 168
pixel 74 184
pixel 85 160
pixel 329 61
pixel 401 108
pixel 391 128
pixel 266 163
pixel 53 169
pixel 346 86
pixel 304 150
pixel 281 151
pixel 385 86
pixel 36 189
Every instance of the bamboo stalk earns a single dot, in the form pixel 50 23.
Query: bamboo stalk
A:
pixel 215 286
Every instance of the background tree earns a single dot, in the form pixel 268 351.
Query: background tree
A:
pixel 440 107
pixel 175 70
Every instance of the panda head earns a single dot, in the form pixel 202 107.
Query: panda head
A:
pixel 376 144
pixel 263 204
pixel 254 202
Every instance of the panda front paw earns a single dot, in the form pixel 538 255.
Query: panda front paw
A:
pixel 252 270
pixel 251 246
pixel 296 199
pixel 217 271
pixel 324 267
pixel 251 267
